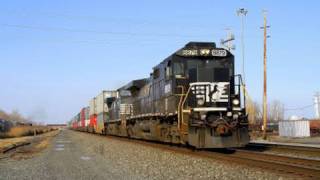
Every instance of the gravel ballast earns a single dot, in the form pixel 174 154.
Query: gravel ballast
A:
pixel 76 155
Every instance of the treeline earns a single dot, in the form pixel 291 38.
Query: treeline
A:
pixel 14 116
pixel 275 112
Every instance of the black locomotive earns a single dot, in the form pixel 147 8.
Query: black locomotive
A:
pixel 192 97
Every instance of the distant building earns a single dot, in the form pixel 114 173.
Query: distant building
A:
pixel 294 127
pixel 58 126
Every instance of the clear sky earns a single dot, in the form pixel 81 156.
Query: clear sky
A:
pixel 56 55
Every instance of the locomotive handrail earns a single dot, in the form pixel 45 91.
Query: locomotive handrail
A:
pixel 183 97
pixel 182 105
pixel 179 105
pixel 240 86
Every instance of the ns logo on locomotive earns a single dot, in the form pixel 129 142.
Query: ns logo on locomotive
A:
pixel 192 97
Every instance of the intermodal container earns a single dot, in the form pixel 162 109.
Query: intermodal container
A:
pixel 92 107
pixel 101 101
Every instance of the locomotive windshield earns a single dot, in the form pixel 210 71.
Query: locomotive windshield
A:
pixel 203 70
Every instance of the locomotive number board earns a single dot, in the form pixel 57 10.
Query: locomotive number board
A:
pixel 203 52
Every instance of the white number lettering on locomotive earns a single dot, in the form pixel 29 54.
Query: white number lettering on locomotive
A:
pixel 189 52
pixel 219 52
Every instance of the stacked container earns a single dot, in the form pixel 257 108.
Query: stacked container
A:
pixel 87 118
pixel 82 119
pixel 74 123
pixel 78 121
pixel 102 108
pixel 93 115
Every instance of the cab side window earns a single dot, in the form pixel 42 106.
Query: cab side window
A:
pixel 178 69
pixel 168 71
pixel 156 73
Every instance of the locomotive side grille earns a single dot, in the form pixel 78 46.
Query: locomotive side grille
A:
pixel 126 109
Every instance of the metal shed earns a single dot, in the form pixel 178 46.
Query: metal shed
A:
pixel 294 128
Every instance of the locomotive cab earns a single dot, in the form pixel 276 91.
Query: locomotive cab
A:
pixel 210 105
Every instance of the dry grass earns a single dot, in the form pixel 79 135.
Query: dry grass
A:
pixel 45 141
pixel 6 142
pixel 20 131
pixel 38 143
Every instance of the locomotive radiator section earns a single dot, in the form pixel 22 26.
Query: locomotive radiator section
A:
pixel 214 122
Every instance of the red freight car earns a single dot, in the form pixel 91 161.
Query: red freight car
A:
pixel 315 127
pixel 82 119
pixel 93 123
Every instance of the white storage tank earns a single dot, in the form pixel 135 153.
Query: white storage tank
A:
pixel 294 128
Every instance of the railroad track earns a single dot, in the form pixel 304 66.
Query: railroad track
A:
pixel 284 165
pixel 305 168
pixel 309 151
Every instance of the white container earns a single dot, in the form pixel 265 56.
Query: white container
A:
pixel 92 107
pixel 87 113
pixel 86 122
pixel 101 102
pixel 294 128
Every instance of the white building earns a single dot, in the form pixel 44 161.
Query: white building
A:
pixel 295 127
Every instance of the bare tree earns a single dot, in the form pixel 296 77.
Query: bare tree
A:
pixel 14 116
pixel 276 111
pixel 254 112
pixel 3 115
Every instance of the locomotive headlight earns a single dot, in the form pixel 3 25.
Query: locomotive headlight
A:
pixel 200 102
pixel 235 102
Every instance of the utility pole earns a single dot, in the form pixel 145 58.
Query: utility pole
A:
pixel 242 12
pixel 227 43
pixel 264 128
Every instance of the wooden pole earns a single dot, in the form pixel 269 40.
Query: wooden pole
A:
pixel 265 78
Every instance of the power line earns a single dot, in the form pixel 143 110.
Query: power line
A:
pixel 45 28
pixel 299 108
pixel 129 20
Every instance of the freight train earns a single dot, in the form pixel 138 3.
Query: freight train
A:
pixel 193 97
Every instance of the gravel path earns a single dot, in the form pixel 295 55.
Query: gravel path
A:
pixel 75 155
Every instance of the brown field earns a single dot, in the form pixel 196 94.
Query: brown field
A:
pixel 27 146
pixel 19 131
